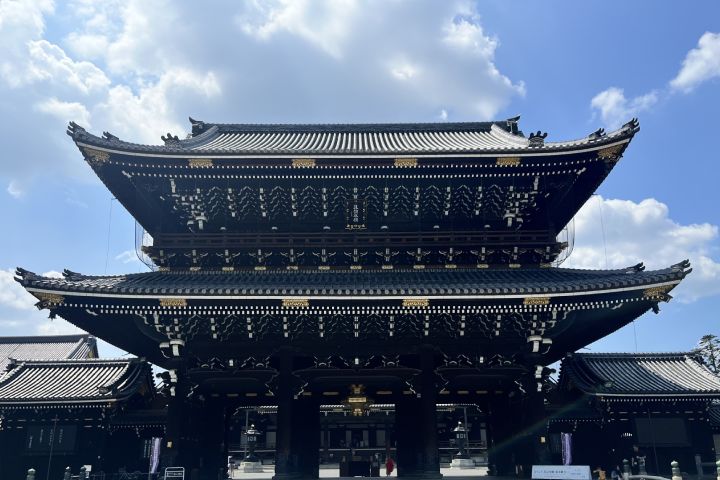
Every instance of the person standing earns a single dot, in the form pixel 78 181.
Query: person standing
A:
pixel 389 466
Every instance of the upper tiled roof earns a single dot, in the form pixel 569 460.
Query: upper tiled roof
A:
pixel 644 374
pixel 71 381
pixel 353 139
pixel 358 282
pixel 46 348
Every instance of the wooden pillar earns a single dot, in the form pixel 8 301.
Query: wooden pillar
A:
pixel 416 426
pixel 175 451
pixel 538 451
pixel 212 462
pixel 306 437
pixel 287 465
pixel 500 421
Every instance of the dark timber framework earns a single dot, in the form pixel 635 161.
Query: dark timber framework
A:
pixel 298 263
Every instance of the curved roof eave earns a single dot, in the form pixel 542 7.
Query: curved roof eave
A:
pixel 509 143
pixel 272 285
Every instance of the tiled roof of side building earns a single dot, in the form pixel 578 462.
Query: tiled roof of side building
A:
pixel 359 282
pixel 640 374
pixel 46 348
pixel 373 139
pixel 714 416
pixel 87 381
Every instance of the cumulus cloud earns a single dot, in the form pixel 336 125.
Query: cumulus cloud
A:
pixel 65 111
pixel 325 24
pixel 615 109
pixel 645 232
pixel 12 294
pixel 21 21
pixel 151 112
pixel 700 64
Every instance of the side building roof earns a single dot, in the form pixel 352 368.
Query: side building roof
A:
pixel 642 374
pixel 79 382
pixel 53 347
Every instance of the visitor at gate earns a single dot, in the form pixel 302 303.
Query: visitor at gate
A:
pixel 389 466
pixel 599 473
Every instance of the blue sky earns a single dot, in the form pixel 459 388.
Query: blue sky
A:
pixel 138 69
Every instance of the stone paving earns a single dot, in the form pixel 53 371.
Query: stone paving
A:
pixel 335 472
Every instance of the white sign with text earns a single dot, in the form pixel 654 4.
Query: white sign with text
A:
pixel 561 472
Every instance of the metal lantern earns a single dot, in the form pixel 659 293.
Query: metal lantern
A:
pixel 461 438
pixel 251 436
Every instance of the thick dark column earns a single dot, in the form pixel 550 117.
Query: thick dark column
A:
pixel 536 425
pixel 416 426
pixel 500 423
pixel 211 435
pixel 175 451
pixel 306 436
pixel 287 464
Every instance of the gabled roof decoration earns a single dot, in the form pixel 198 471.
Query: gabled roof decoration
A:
pixel 642 375
pixel 353 139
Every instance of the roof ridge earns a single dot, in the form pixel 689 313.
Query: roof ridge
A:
pixel 43 338
pixel 82 361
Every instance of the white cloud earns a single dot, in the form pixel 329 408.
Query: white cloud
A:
pixel 14 189
pixel 700 64
pixel 50 62
pixel 151 112
pixel 645 232
pixel 615 109
pixel 65 111
pixel 57 326
pixel 12 294
pixel 403 71
pixel 325 24
pixel 466 33
pixel 21 21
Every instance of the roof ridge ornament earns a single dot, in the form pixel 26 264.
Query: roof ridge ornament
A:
pixel 198 126
pixel 110 137
pixel 638 267
pixel 170 139
pixel 512 124
pixel 74 129
pixel 597 134
pixel 631 125
pixel 537 139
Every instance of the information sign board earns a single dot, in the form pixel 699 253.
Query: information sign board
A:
pixel 561 472
pixel 177 473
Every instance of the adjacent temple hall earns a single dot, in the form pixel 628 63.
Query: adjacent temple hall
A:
pixel 295 267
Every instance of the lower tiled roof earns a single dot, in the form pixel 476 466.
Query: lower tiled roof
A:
pixel 644 374
pixel 358 282
pixel 84 381
pixel 46 348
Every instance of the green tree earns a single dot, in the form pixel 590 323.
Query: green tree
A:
pixel 709 348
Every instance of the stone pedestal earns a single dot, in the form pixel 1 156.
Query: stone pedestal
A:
pixel 462 463
pixel 251 467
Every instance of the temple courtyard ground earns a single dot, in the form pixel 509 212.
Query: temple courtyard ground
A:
pixel 334 472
